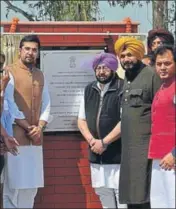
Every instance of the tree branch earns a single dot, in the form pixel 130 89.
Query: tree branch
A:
pixel 18 10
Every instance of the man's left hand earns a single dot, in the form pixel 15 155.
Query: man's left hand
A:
pixel 35 133
pixel 98 147
pixel 168 162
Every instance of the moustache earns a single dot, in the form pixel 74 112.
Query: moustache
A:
pixel 128 63
pixel 102 76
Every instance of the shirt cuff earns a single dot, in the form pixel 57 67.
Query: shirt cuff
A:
pixel 44 117
pixel 19 116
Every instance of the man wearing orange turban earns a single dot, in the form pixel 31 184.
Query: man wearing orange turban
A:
pixel 132 45
pixel 140 86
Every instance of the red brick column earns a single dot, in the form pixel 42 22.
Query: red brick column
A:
pixel 67 174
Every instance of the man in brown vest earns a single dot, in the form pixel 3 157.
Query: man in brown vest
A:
pixel 24 173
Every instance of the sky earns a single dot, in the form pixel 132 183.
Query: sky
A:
pixel 143 15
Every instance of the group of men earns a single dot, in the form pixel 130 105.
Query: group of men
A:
pixel 128 123
pixel 25 109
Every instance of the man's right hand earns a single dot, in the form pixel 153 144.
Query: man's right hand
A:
pixel 11 145
pixel 2 148
pixel 97 146
pixel 4 80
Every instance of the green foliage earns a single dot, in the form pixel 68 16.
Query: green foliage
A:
pixel 124 3
pixel 57 10
pixel 169 19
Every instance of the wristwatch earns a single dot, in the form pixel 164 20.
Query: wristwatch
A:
pixel 105 146
pixel 41 127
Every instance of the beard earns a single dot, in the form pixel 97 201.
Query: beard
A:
pixel 105 79
pixel 29 60
pixel 130 66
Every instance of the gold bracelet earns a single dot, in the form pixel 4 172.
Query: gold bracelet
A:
pixel 41 127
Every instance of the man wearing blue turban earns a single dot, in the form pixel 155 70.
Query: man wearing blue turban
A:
pixel 99 113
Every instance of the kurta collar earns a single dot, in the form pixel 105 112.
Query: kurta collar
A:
pixel 106 86
pixel 112 85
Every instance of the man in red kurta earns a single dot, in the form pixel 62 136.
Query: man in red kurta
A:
pixel 162 142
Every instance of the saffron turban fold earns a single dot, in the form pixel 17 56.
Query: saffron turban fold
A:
pixel 133 45
pixel 108 59
pixel 165 36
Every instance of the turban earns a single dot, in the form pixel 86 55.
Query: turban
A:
pixel 109 60
pixel 134 46
pixel 164 35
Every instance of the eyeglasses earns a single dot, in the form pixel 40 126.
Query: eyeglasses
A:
pixel 98 68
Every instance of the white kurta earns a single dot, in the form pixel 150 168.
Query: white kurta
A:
pixel 105 175
pixel 102 175
pixel 162 187
pixel 26 169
